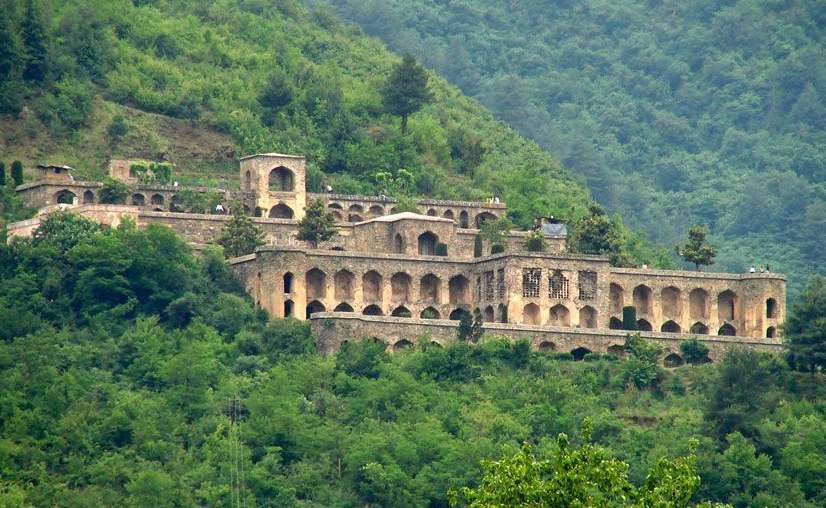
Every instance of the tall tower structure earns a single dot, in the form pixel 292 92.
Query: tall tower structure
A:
pixel 277 183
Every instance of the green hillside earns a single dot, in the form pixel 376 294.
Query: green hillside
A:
pixel 700 111
pixel 135 374
pixel 203 83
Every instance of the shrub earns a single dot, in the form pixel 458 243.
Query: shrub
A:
pixel 17 172
pixel 496 249
pixel 535 242
pixel 113 192
pixel 694 351
pixel 118 128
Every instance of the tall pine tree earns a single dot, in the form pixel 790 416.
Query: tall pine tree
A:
pixel 240 235
pixel 35 42
pixel 405 91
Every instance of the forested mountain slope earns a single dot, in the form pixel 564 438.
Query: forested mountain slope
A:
pixel 698 111
pixel 201 83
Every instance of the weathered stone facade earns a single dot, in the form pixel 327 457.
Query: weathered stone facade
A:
pixel 396 276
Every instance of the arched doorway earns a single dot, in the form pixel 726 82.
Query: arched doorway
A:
pixel 372 310
pixel 315 306
pixel 281 211
pixel 281 180
pixel 427 244
pixel 670 327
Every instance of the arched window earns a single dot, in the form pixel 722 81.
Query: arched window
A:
pixel 88 197
pixel 456 314
pixel 615 324
pixel 559 316
pixel 448 214
pixel 429 289
pixel 175 204
pixel 315 306
pixel 400 287
pixel 458 290
pixel 672 302
pixel 65 197
pixel 372 310
pixel 281 211
pixel 334 206
pixel 728 330
pixel 670 327
pixel 401 311
pixel 699 329
pixel 281 180
pixel 427 244
pixel 356 208
pixel 398 244
pixel 484 217
pixel 463 219
pixel 642 300
pixel 376 211
pixel 579 353
pixel 138 199
pixel 344 285
pixel 432 213
pixel 644 326
pixel 288 283
pixel 489 315
pixel 503 313
pixel 343 307
pixel 530 314
pixel 771 308
pixel 316 284
pixel 288 308
pixel 698 303
pixel 726 305
pixel 402 345
pixel 771 332
pixel 430 313
pixel 616 297
pixel 157 199
pixel 371 286
pixel 546 346
pixel 587 317
pixel 354 217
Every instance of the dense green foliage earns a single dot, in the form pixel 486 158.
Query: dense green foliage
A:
pixel 677 113
pixel 134 374
pixel 240 234
pixel 318 224
pixel 806 327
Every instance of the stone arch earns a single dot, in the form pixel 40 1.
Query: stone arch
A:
pixel 448 214
pixel 503 313
pixel 699 328
pixel 432 212
pixel 698 303
pixel 65 197
pixel 400 287
pixel 615 324
pixel 615 292
pixel 559 315
pixel 315 306
pixel 489 314
pixel 316 283
pixel 672 302
pixel 771 308
pixel 429 288
pixel 643 300
pixel 430 313
pixel 343 307
pixel 427 243
pixel 546 346
pixel 354 217
pixel 458 290
pixel 579 353
pixel 371 283
pixel 401 311
pixel 175 204
pixel 727 329
pixel 156 199
pixel 289 308
pixel 288 282
pixel 398 244
pixel 337 216
pixel 343 281
pixel 376 211
pixel 281 179
pixel 644 326
pixel 457 313
pixel 394 209
pixel 483 217
pixel 727 306
pixel 587 317
pixel 771 332
pixel 334 206
pixel 372 310
pixel 616 350
pixel 463 219
pixel 281 211
pixel 401 345
pixel 138 199
pixel 355 208
pixel 248 180
pixel 436 344
pixel 673 360
pixel 530 314
pixel 670 327
pixel 88 197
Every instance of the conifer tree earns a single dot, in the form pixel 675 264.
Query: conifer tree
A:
pixel 405 91
pixel 806 327
pixel 696 250
pixel 17 172
pixel 240 236
pixel 11 58
pixel 35 43
pixel 2 174
pixel 318 224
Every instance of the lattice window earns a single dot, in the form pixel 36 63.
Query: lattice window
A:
pixel 530 282
pixel 478 288
pixel 489 288
pixel 500 283
pixel 557 285
pixel 587 285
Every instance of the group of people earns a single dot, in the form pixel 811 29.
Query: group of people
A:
pixel 760 269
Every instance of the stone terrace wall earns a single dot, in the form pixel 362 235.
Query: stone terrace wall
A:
pixel 331 329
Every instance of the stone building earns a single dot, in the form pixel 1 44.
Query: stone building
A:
pixel 396 276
